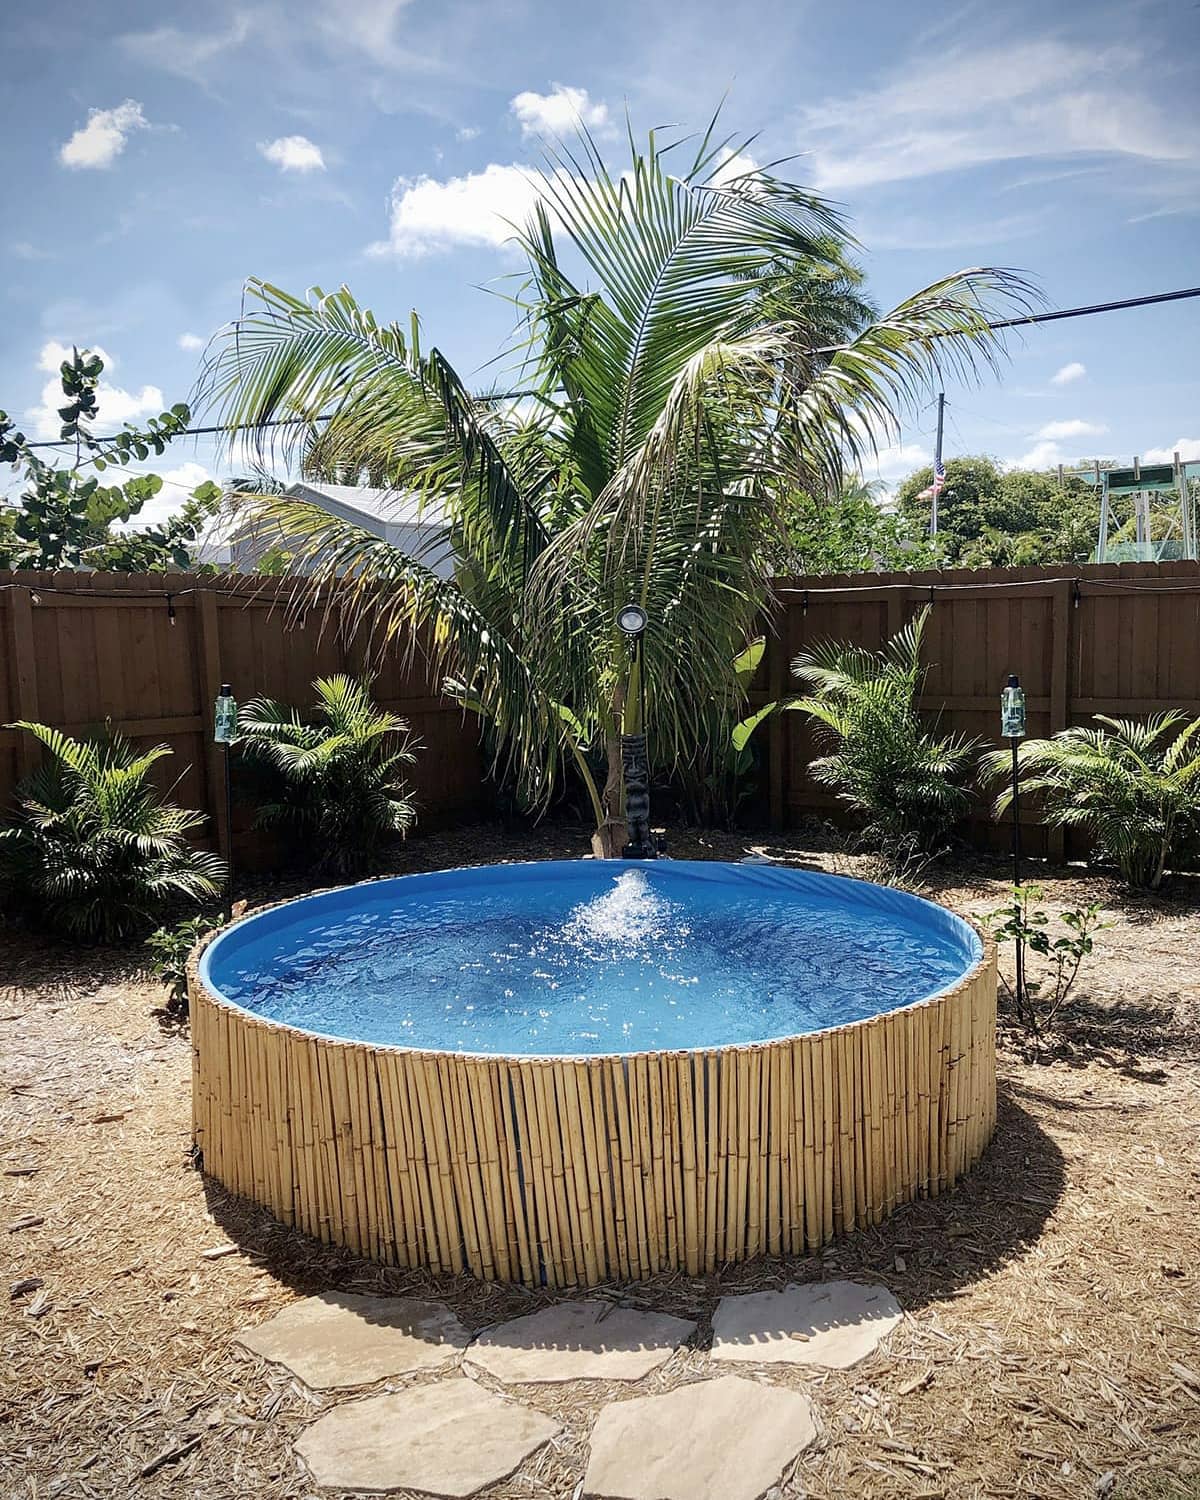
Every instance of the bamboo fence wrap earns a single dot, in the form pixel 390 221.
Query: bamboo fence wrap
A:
pixel 570 1171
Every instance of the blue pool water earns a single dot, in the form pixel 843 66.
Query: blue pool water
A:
pixel 589 956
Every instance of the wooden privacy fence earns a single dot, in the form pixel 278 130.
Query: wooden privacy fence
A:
pixel 149 651
pixel 1113 639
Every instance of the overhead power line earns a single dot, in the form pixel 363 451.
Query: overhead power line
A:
pixel 1044 317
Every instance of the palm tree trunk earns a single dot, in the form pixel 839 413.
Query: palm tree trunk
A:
pixel 609 838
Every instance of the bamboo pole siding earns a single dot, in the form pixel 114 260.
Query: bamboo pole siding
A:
pixel 576 1171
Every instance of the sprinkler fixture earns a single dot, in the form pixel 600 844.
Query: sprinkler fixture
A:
pixel 635 765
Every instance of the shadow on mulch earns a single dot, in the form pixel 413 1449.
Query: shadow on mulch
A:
pixel 927 1252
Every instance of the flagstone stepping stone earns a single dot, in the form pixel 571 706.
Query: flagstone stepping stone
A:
pixel 722 1439
pixel 832 1324
pixel 584 1340
pixel 452 1439
pixel 343 1339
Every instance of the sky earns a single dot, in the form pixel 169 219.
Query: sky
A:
pixel 155 156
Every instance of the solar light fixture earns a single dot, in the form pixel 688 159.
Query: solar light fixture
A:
pixel 224 734
pixel 1012 728
pixel 632 620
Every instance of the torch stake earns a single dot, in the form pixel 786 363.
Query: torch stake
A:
pixel 1016 854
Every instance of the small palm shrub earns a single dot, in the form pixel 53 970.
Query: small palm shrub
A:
pixel 95 852
pixel 332 784
pixel 1134 787
pixel 907 783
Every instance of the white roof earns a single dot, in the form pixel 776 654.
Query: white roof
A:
pixel 393 507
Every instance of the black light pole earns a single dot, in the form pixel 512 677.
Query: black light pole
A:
pixel 224 733
pixel 1012 726
pixel 635 765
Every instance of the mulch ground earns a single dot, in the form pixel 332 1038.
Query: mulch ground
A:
pixel 1052 1339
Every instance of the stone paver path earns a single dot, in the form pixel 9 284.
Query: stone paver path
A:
pixel 343 1339
pixel 587 1340
pixel 832 1324
pixel 451 1438
pixel 723 1439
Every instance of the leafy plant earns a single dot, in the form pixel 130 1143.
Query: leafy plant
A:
pixel 675 329
pixel 907 782
pixel 96 852
pixel 1134 787
pixel 1024 922
pixel 65 517
pixel 335 782
pixel 169 949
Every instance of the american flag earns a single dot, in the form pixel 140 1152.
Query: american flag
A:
pixel 939 482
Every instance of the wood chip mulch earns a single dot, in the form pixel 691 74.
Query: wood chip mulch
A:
pixel 1051 1345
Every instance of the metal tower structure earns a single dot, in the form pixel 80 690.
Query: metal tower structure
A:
pixel 1153 489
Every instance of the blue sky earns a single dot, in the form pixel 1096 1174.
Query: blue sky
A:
pixel 154 156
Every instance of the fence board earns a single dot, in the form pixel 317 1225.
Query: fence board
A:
pixel 76 651
pixel 78 648
pixel 1117 639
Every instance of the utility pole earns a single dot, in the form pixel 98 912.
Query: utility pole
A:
pixel 937 465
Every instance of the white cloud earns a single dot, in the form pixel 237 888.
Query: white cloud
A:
pixel 293 153
pixel 959 108
pixel 559 112
pixel 467 133
pixel 1068 373
pixel 115 405
pixel 177 486
pixel 1073 427
pixel 1044 455
pixel 27 250
pixel 52 354
pixel 1187 448
pixel 731 166
pixel 102 139
pixel 190 342
pixel 478 209
pixel 186 53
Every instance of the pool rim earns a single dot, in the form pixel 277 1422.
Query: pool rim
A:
pixel 198 965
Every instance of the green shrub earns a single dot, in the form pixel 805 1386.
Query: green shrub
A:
pixel 1135 788
pixel 95 852
pixel 334 785
pixel 1023 921
pixel 169 948
pixel 907 783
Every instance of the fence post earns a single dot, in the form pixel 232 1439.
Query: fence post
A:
pixel 20 601
pixel 210 684
pixel 1061 635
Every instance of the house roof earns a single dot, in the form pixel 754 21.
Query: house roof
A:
pixel 393 507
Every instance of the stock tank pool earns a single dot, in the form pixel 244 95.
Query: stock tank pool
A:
pixel 569 1071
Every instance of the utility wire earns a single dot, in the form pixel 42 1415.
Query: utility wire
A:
pixel 1045 317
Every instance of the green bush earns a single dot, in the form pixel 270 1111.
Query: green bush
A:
pixel 907 783
pixel 95 852
pixel 334 785
pixel 169 948
pixel 1135 788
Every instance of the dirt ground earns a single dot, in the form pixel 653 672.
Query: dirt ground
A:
pixel 1052 1340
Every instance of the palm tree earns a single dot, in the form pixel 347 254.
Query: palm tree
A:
pixel 335 778
pixel 675 355
pixel 1133 786
pixel 906 782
